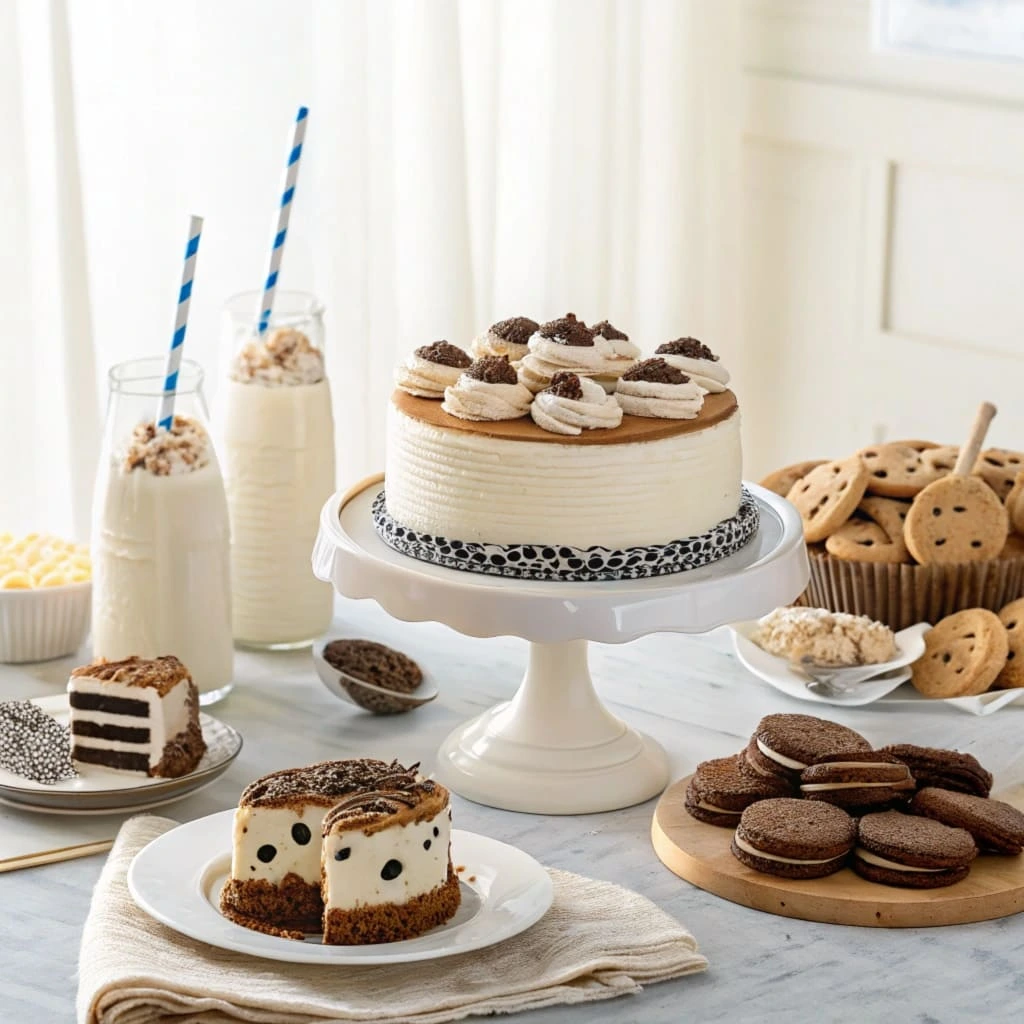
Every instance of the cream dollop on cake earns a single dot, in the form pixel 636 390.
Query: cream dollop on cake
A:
pixel 488 391
pixel 654 388
pixel 616 342
pixel 696 360
pixel 287 358
pixel 432 368
pixel 569 344
pixel 136 715
pixel 505 338
pixel 824 637
pixel 572 404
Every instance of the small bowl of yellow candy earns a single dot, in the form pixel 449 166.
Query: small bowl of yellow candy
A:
pixel 45 596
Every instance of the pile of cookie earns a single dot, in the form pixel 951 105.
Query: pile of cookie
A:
pixel 972 651
pixel 808 797
pixel 882 504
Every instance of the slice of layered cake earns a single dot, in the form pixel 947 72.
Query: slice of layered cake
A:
pixel 136 715
pixel 274 886
pixel 387 869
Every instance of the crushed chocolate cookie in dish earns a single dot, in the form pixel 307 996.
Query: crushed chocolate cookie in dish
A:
pixel 567 330
pixel 444 354
pixel 656 389
pixel 689 347
pixel 493 370
pixel 695 359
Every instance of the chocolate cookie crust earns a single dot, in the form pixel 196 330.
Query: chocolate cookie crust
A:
pixel 719 792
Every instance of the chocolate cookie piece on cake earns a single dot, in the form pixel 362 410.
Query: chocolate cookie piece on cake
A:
pixel 858 781
pixel 995 825
pixel 784 745
pixel 911 852
pixel 719 792
pixel 794 838
pixel 943 769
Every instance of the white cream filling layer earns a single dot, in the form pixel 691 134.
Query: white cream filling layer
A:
pixel 390 866
pixel 269 829
pixel 167 716
pixel 873 858
pixel 755 852
pixel 817 787
pixel 780 758
pixel 467 486
pixel 718 810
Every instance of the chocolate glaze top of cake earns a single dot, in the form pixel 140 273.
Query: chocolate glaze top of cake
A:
pixel 161 674
pixel 375 809
pixel 328 781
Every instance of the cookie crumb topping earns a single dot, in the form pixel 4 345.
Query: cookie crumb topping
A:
pixel 605 330
pixel 183 448
pixel 566 385
pixel 656 371
pixel 444 354
pixel 517 330
pixel 567 330
pixel 493 370
pixel 691 348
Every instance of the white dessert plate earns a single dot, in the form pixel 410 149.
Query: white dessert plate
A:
pixel 177 880
pixel 98 790
pixel 891 688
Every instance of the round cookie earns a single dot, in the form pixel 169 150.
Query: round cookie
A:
pixel 827 496
pixel 999 467
pixel 784 745
pixel 941 459
pixel 995 825
pixel 918 446
pixel 890 514
pixel 896 470
pixel 1012 674
pixel 858 782
pixel 782 480
pixel 719 792
pixel 860 540
pixel 911 852
pixel 943 769
pixel 1014 503
pixel 963 655
pixel 794 838
pixel 956 519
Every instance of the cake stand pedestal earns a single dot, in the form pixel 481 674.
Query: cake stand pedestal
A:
pixel 555 748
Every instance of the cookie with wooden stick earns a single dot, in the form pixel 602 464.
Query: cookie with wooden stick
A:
pixel 999 467
pixel 963 655
pixel 958 518
pixel 781 481
pixel 827 496
pixel 897 470
pixel 1012 618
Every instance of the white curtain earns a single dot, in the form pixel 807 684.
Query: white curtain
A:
pixel 465 162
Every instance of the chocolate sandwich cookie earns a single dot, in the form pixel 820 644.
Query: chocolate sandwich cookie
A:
pixel 943 769
pixel 859 782
pixel 794 838
pixel 719 792
pixel 995 825
pixel 911 852
pixel 784 745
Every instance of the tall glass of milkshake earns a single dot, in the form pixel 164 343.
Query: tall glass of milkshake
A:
pixel 276 437
pixel 160 540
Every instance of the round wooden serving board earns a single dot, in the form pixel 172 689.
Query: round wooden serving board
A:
pixel 700 854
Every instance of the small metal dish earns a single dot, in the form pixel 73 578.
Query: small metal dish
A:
pixel 365 695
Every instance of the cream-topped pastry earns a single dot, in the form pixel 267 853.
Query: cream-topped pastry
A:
pixel 573 404
pixel 488 391
pixel 616 342
pixel 697 361
pixel 654 388
pixel 505 338
pixel 432 368
pixel 567 344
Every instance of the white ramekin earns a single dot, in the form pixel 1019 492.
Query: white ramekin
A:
pixel 43 623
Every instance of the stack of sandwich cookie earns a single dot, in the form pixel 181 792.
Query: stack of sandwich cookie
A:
pixel 784 745
pixel 719 792
pixel 794 838
pixel 910 852
pixel 858 781
pixel 994 825
pixel 943 769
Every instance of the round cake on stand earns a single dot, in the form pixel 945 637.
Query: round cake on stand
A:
pixel 555 748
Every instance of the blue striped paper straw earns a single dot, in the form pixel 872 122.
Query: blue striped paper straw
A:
pixel 291 174
pixel 166 416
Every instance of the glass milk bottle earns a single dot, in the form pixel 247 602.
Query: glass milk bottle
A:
pixel 160 540
pixel 276 438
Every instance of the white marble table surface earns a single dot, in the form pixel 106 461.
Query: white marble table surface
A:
pixel 690 694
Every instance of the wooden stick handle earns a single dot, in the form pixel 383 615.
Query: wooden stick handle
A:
pixel 969 452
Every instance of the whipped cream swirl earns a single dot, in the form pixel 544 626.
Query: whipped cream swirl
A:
pixel 568 344
pixel 573 404
pixel 696 360
pixel 431 369
pixel 615 342
pixel 488 391
pixel 505 338
pixel 657 390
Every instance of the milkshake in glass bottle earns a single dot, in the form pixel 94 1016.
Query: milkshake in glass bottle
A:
pixel 160 541
pixel 276 439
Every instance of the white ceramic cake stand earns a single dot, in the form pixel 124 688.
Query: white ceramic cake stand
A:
pixel 555 748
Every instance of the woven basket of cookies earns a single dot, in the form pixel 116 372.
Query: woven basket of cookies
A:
pixel 912 531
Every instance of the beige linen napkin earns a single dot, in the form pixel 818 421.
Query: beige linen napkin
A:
pixel 597 941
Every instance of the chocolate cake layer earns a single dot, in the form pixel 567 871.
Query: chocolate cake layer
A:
pixel 111 705
pixel 111 759
pixel 124 733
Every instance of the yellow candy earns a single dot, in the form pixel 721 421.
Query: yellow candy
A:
pixel 42 567
pixel 6 538
pixel 80 575
pixel 54 579
pixel 16 580
pixel 80 561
